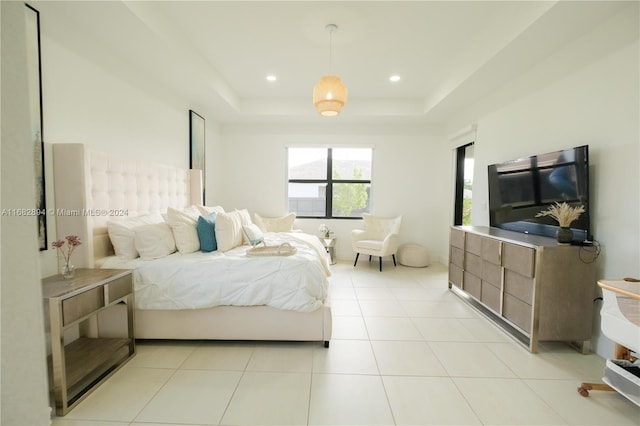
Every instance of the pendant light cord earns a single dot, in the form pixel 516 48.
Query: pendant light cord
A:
pixel 331 28
pixel 331 50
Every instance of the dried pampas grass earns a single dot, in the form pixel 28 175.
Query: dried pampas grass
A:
pixel 563 213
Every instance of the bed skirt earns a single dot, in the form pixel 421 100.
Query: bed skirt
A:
pixel 224 323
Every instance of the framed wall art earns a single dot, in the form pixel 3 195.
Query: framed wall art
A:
pixel 197 145
pixel 34 79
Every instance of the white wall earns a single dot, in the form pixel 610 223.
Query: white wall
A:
pixel 597 105
pixel 82 103
pixel 410 166
pixel 25 399
pixel 85 104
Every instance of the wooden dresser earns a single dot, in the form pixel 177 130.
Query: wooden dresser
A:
pixel 531 286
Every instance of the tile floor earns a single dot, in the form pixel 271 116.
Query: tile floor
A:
pixel 405 351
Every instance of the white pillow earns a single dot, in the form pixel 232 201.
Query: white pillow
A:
pixel 228 230
pixel 275 224
pixel 245 216
pixel 253 234
pixel 154 241
pixel 245 219
pixel 207 210
pixel 183 224
pixel 122 236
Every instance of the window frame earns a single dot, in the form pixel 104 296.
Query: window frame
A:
pixel 461 155
pixel 329 182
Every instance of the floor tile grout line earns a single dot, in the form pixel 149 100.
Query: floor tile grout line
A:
pixel 235 389
pixel 379 375
pixel 544 401
pixel 310 395
pixel 154 394
pixel 386 395
pixel 469 404
pixel 313 361
pixel 384 388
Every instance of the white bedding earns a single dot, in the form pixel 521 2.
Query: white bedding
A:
pixel 202 280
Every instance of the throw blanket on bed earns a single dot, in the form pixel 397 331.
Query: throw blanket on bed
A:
pixel 202 280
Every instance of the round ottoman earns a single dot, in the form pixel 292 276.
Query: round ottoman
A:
pixel 413 255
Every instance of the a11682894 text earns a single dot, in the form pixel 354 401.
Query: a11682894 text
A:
pixel 64 212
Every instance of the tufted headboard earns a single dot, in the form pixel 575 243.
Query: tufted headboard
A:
pixel 92 188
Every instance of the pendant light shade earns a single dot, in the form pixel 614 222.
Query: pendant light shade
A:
pixel 330 95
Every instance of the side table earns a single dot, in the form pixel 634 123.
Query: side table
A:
pixel 330 245
pixel 77 367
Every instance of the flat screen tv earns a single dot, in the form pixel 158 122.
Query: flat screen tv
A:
pixel 519 189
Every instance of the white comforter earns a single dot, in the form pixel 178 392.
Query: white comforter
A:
pixel 201 280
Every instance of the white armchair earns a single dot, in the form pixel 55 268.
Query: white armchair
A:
pixel 379 237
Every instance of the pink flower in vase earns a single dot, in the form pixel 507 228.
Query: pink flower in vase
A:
pixel 73 241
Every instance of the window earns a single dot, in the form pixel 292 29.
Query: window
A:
pixel 329 182
pixel 464 185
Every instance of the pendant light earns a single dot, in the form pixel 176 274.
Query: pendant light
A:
pixel 330 95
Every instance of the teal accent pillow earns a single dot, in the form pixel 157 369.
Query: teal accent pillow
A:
pixel 207 233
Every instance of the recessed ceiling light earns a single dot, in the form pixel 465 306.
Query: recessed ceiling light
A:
pixel 394 78
pixel 271 77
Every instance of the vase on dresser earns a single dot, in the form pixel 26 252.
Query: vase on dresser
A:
pixel 564 235
pixel 67 270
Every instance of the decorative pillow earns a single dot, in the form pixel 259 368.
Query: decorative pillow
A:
pixel 207 233
pixel 154 241
pixel 206 210
pixel 253 234
pixel 183 224
pixel 122 236
pixel 275 224
pixel 245 219
pixel 228 230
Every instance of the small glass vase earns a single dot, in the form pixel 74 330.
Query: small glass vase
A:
pixel 67 270
pixel 564 235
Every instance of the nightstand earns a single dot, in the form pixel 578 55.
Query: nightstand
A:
pixel 330 245
pixel 81 358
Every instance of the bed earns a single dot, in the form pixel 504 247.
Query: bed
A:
pixel 93 188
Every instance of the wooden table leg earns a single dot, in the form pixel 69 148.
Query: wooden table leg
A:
pixel 586 387
pixel 622 352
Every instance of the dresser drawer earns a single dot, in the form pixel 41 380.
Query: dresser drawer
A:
pixel 456 238
pixel 473 264
pixel 82 305
pixel 518 312
pixel 474 244
pixel 471 285
pixel 491 296
pixel 455 275
pixel 456 256
pixel 119 288
pixel 518 286
pixel 492 273
pixel 519 259
pixel 491 250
